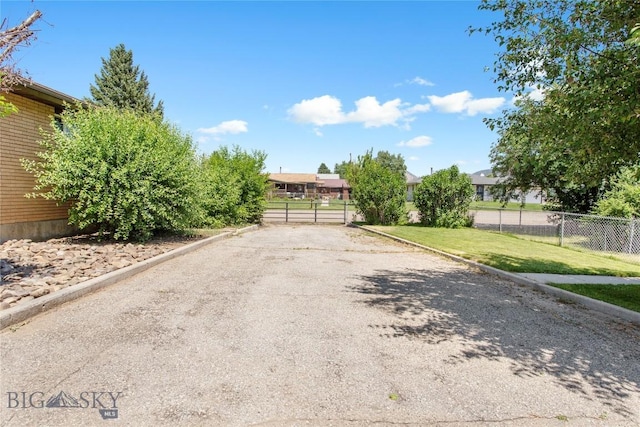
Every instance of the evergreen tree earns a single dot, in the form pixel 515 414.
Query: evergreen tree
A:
pixel 323 168
pixel 121 84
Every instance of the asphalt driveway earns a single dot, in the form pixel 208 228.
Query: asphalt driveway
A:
pixel 318 325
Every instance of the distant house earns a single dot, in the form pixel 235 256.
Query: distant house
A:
pixel 483 184
pixel 21 217
pixel 412 183
pixel 329 185
pixel 332 186
pixel 308 185
pixel 294 185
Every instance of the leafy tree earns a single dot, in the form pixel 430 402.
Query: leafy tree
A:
pixel 125 173
pixel 443 199
pixel 323 168
pixel 529 160
pixel 623 199
pixel 341 169
pixel 122 85
pixel 379 192
pixel 395 162
pixel 235 186
pixel 587 124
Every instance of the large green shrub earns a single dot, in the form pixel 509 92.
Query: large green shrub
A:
pixel 443 199
pixel 379 192
pixel 126 173
pixel 235 186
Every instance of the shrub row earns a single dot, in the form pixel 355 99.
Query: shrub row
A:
pixel 131 175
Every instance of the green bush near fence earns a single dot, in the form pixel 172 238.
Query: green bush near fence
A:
pixel 234 186
pixel 443 199
pixel 378 190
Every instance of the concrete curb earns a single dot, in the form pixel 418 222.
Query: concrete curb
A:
pixel 600 306
pixel 21 313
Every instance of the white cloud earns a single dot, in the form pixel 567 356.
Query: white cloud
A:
pixel 323 110
pixel 534 93
pixel 416 81
pixel 537 94
pixel 420 81
pixel 484 105
pixel 327 110
pixel 461 162
pixel 453 103
pixel 317 131
pixel 418 108
pixel 418 141
pixel 228 127
pixel 413 158
pixel 463 102
pixel 373 114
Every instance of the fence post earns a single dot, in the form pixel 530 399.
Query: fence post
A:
pixel 562 230
pixel 500 220
pixel 286 212
pixel 345 211
pixel 520 220
pixel 315 213
pixel 631 235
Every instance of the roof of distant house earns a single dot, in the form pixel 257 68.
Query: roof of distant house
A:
pixel 328 176
pixel 335 183
pixel 294 178
pixel 411 178
pixel 483 180
pixel 483 172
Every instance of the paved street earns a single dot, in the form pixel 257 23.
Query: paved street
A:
pixel 319 325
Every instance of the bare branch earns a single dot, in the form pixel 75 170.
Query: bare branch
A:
pixel 10 40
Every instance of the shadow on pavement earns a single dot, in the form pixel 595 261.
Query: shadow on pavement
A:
pixel 494 320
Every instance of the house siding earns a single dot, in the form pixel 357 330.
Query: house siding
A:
pixel 19 136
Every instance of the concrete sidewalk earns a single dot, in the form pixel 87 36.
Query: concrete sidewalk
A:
pixel 580 279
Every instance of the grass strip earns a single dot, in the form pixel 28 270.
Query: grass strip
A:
pixel 626 296
pixel 512 206
pixel 309 204
pixel 509 253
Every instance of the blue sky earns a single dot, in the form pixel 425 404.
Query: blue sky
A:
pixel 306 82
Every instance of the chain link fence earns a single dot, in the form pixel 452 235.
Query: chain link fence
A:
pixel 616 236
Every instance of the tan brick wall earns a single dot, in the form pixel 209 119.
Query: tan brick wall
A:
pixel 19 136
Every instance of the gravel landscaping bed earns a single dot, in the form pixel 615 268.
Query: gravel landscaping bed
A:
pixel 33 269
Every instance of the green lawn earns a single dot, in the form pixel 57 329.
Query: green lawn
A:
pixel 334 204
pixel 510 253
pixel 510 206
pixel 491 205
pixel 410 206
pixel 627 296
